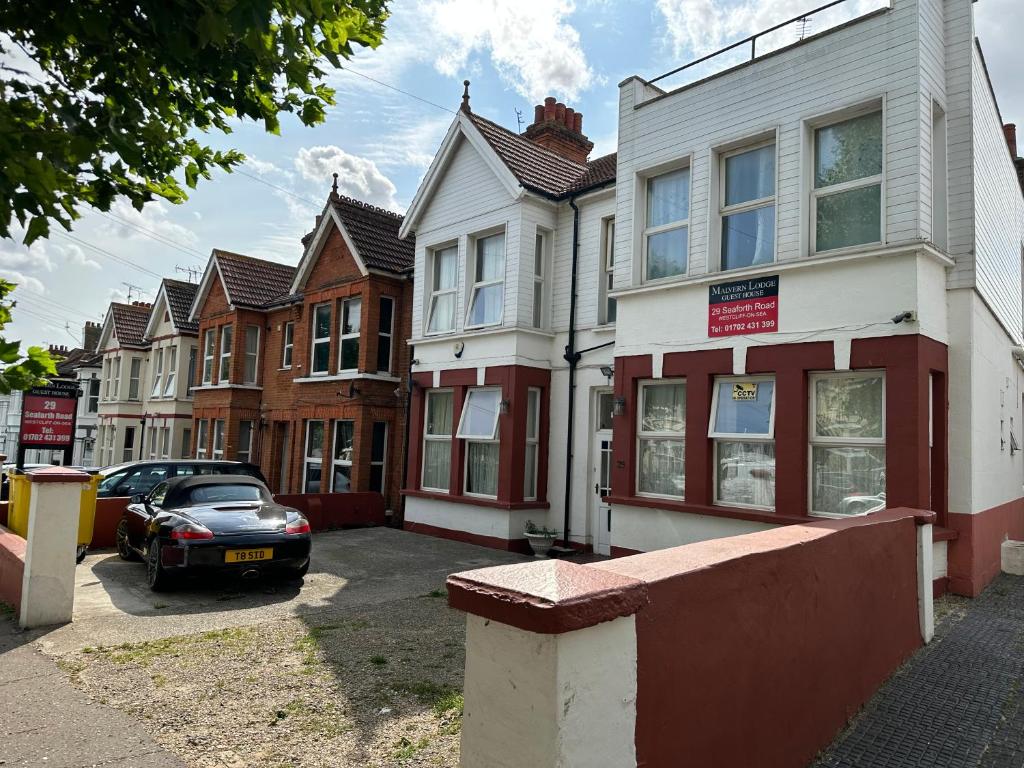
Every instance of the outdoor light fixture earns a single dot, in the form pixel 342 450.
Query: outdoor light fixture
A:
pixel 607 371
pixel 504 407
pixel 619 406
pixel 908 315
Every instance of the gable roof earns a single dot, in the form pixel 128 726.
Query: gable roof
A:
pixel 374 232
pixel 75 359
pixel 129 323
pixel 251 282
pixel 532 167
pixel 180 296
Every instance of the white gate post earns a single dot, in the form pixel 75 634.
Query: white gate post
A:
pixel 48 586
pixel 925 576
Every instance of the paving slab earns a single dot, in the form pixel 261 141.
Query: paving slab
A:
pixel 958 703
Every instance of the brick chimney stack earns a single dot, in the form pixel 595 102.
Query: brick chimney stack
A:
pixel 1010 132
pixel 560 129
pixel 91 336
pixel 58 350
pixel 143 304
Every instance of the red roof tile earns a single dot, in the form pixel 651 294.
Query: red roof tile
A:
pixel 130 323
pixel 252 282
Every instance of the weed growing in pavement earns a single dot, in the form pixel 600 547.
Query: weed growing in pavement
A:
pixel 404 748
pixel 449 701
pixel 324 721
pixel 6 610
pixel 378 660
pixel 159 606
pixel 159 681
pixel 441 698
pixel 437 593
pixel 145 652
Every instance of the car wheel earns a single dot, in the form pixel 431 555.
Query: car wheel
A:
pixel 159 580
pixel 300 572
pixel 124 549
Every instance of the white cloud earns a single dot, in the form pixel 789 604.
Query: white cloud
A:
pixel 411 145
pixel 22 259
pixel 358 177
pixel 154 217
pixel 698 27
pixel 25 281
pixel 75 255
pixel 530 42
pixel 265 167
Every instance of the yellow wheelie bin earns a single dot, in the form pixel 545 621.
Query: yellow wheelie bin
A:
pixel 21 494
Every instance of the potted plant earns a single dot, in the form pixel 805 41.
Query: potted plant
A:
pixel 540 539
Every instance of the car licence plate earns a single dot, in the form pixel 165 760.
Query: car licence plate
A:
pixel 248 555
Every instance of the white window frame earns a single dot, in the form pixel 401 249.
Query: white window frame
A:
pixel 244 451
pixel 219 428
pixel 254 356
pixel 314 342
pixel 165 443
pixel 447 438
pixel 389 334
pixel 158 372
pixel 607 271
pixel 814 440
pixel 353 335
pixel 171 372
pixel 93 400
pixel 541 250
pixel 484 436
pixel 816 194
pixel 646 179
pixel 133 376
pixel 152 434
pixel 105 372
pixel 748 205
pixel 288 345
pixel 642 434
pixel 227 331
pixel 738 437
pixel 383 463
pixel 476 285
pixel 436 293
pixel 202 437
pixel 335 462
pixel 307 459
pixel 209 352
pixel 533 395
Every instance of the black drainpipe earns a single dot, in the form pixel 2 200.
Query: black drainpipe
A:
pixel 572 357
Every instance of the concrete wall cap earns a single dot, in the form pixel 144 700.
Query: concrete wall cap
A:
pixel 548 597
pixel 57 475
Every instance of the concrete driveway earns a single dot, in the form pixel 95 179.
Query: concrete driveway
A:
pixel 350 569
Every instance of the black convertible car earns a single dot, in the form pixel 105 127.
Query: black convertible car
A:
pixel 218 523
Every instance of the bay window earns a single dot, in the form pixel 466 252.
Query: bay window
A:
pixel 320 354
pixel 532 443
pixel 847 193
pixel 252 354
pixel 344 439
pixel 314 455
pixel 227 334
pixel 134 378
pixel 378 453
pixel 847 443
pixel 351 322
pixel 743 429
pixel 289 344
pixel 437 440
pixel 444 280
pixel 171 374
pixel 747 207
pixel 201 438
pixel 478 426
pixel 539 271
pixel 487 296
pixel 667 225
pixel 661 439
pixel 117 379
pixel 244 451
pixel 208 347
pixel 385 332
pixel 158 371
pixel 218 439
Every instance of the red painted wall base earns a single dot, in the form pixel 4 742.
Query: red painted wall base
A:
pixel 12 567
pixel 974 557
pixel 492 542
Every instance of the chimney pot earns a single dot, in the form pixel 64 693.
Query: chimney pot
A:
pixel 1010 132
pixel 559 129
pixel 578 122
pixel 538 113
pixel 570 117
pixel 549 108
pixel 560 112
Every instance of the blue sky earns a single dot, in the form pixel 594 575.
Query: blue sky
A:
pixel 380 141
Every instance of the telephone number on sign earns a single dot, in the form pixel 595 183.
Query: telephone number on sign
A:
pixel 755 325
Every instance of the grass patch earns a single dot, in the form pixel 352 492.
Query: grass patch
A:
pixel 406 748
pixel 144 653
pixel 440 698
pixel 325 722
pixel 378 660
pixel 6 610
pixel 159 681
pixel 436 593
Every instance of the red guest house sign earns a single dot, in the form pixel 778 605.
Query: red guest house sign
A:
pixel 48 416
pixel 743 307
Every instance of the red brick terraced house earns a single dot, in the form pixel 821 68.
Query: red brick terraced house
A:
pixel 301 369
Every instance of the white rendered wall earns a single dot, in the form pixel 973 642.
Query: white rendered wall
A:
pixel 646 529
pixel 549 701
pixel 480 520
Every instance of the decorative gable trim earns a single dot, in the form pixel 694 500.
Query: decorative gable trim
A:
pixel 462 128
pixel 212 267
pixel 106 332
pixel 316 245
pixel 154 313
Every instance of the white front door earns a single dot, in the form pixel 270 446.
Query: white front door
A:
pixel 601 472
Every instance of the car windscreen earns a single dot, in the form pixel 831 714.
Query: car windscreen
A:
pixel 216 494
